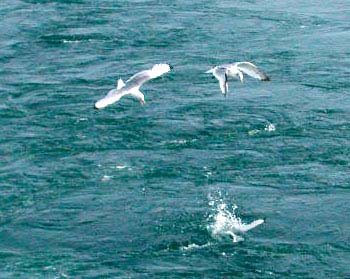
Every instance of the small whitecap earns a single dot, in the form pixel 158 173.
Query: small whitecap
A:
pixel 194 246
pixel 120 167
pixel 50 267
pixel 179 141
pixel 106 177
pixel 253 132
pixel 182 141
pixel 270 128
pixel 189 247
pixel 71 41
pixel 80 136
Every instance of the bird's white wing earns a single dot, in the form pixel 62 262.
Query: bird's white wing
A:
pixel 251 70
pixel 247 227
pixel 120 84
pixel 140 78
pixel 220 75
pixel 112 96
pixel 132 85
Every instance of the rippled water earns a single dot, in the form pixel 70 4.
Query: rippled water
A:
pixel 130 191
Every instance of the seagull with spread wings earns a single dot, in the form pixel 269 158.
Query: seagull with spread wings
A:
pixel 132 86
pixel 236 70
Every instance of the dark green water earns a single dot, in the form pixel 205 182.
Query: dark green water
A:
pixel 136 191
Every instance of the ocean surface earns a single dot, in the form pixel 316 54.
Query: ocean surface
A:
pixel 164 190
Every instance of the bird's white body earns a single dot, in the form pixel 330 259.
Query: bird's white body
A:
pixel 132 85
pixel 236 70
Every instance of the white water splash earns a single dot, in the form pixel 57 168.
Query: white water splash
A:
pixel 225 222
pixel 58 274
pixel 270 128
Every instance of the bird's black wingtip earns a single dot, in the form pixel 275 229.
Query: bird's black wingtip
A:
pixel 171 66
pixel 266 78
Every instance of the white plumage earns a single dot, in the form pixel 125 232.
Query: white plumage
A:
pixel 236 70
pixel 132 86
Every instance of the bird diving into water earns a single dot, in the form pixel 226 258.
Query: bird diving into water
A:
pixel 235 70
pixel 132 86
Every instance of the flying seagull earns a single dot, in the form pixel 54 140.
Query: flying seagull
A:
pixel 222 72
pixel 132 86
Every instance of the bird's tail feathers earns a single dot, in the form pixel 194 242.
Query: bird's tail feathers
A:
pixel 120 84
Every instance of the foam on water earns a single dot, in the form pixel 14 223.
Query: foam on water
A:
pixel 270 127
pixel 224 222
pixel 106 178
pixel 121 167
pixel 71 41
pixel 178 142
pixel 194 246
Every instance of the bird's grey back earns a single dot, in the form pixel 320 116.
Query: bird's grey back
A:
pixel 137 80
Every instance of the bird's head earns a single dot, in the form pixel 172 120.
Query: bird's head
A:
pixel 211 70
